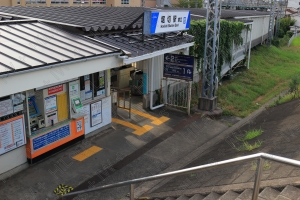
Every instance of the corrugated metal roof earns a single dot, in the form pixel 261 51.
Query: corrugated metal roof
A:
pixel 29 45
pixel 105 18
pixel 151 43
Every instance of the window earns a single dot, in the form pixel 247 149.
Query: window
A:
pixel 93 86
pixel 18 2
pixel 124 1
pixel 35 1
pixel 60 1
pixel 99 1
pixel 81 1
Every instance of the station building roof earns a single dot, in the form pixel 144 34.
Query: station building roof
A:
pixel 25 45
pixel 106 18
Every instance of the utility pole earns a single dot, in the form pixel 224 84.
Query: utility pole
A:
pixel 208 99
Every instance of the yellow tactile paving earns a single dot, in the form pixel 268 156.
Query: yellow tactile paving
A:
pixel 155 120
pixel 87 153
pixel 138 130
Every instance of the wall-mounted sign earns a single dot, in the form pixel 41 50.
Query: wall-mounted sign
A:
pixel 74 90
pixel 50 104
pixel 12 134
pixel 96 113
pixel 6 107
pixel 51 137
pixel 178 66
pixel 55 89
pixel 166 21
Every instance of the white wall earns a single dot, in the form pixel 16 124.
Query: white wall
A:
pixel 297 18
pixel 12 159
pixel 26 81
pixel 293 3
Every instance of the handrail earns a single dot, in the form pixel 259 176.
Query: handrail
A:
pixel 259 156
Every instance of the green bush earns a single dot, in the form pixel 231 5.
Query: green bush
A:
pixel 290 33
pixel 285 24
pixel 294 85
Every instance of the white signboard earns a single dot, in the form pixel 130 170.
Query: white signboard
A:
pixel 6 107
pixel 50 104
pixel 96 113
pixel 74 90
pixel 12 134
pixel 166 21
pixel 106 115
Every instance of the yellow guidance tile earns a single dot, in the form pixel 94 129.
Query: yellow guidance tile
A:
pixel 138 130
pixel 87 153
pixel 155 120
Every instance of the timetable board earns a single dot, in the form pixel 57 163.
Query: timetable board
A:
pixel 12 134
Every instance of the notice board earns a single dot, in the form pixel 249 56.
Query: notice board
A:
pixel 62 106
pixel 12 134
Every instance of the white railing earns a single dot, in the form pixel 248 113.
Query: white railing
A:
pixel 260 157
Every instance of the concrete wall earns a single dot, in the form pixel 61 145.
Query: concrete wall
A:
pixel 297 18
pixel 12 162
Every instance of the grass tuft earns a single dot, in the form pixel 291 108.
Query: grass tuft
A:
pixel 249 147
pixel 267 165
pixel 250 135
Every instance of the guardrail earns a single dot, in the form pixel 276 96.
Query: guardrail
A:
pixel 260 162
pixel 291 39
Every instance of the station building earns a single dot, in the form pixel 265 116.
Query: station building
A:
pixel 60 68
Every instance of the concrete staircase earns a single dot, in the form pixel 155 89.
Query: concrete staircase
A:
pixel 287 193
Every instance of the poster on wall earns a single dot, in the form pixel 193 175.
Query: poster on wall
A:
pixel 74 89
pixel 6 107
pixel 50 104
pixel 12 134
pixel 96 113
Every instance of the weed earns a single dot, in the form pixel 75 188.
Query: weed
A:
pixel 294 85
pixel 248 147
pixel 267 165
pixel 250 135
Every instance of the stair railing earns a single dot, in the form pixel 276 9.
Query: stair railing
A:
pixel 260 163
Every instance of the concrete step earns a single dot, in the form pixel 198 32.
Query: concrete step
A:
pixel 268 194
pixel 282 198
pixel 290 192
pixel 212 196
pixel 182 197
pixel 245 195
pixel 229 195
pixel 197 197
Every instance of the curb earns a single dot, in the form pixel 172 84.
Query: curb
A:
pixel 145 187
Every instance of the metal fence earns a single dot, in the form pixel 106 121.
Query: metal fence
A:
pixel 292 38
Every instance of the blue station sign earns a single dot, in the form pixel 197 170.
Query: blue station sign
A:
pixel 164 21
pixel 179 66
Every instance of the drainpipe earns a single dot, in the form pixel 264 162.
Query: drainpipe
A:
pixel 151 88
pixel 249 51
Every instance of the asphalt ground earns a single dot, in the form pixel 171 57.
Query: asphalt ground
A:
pixel 116 154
